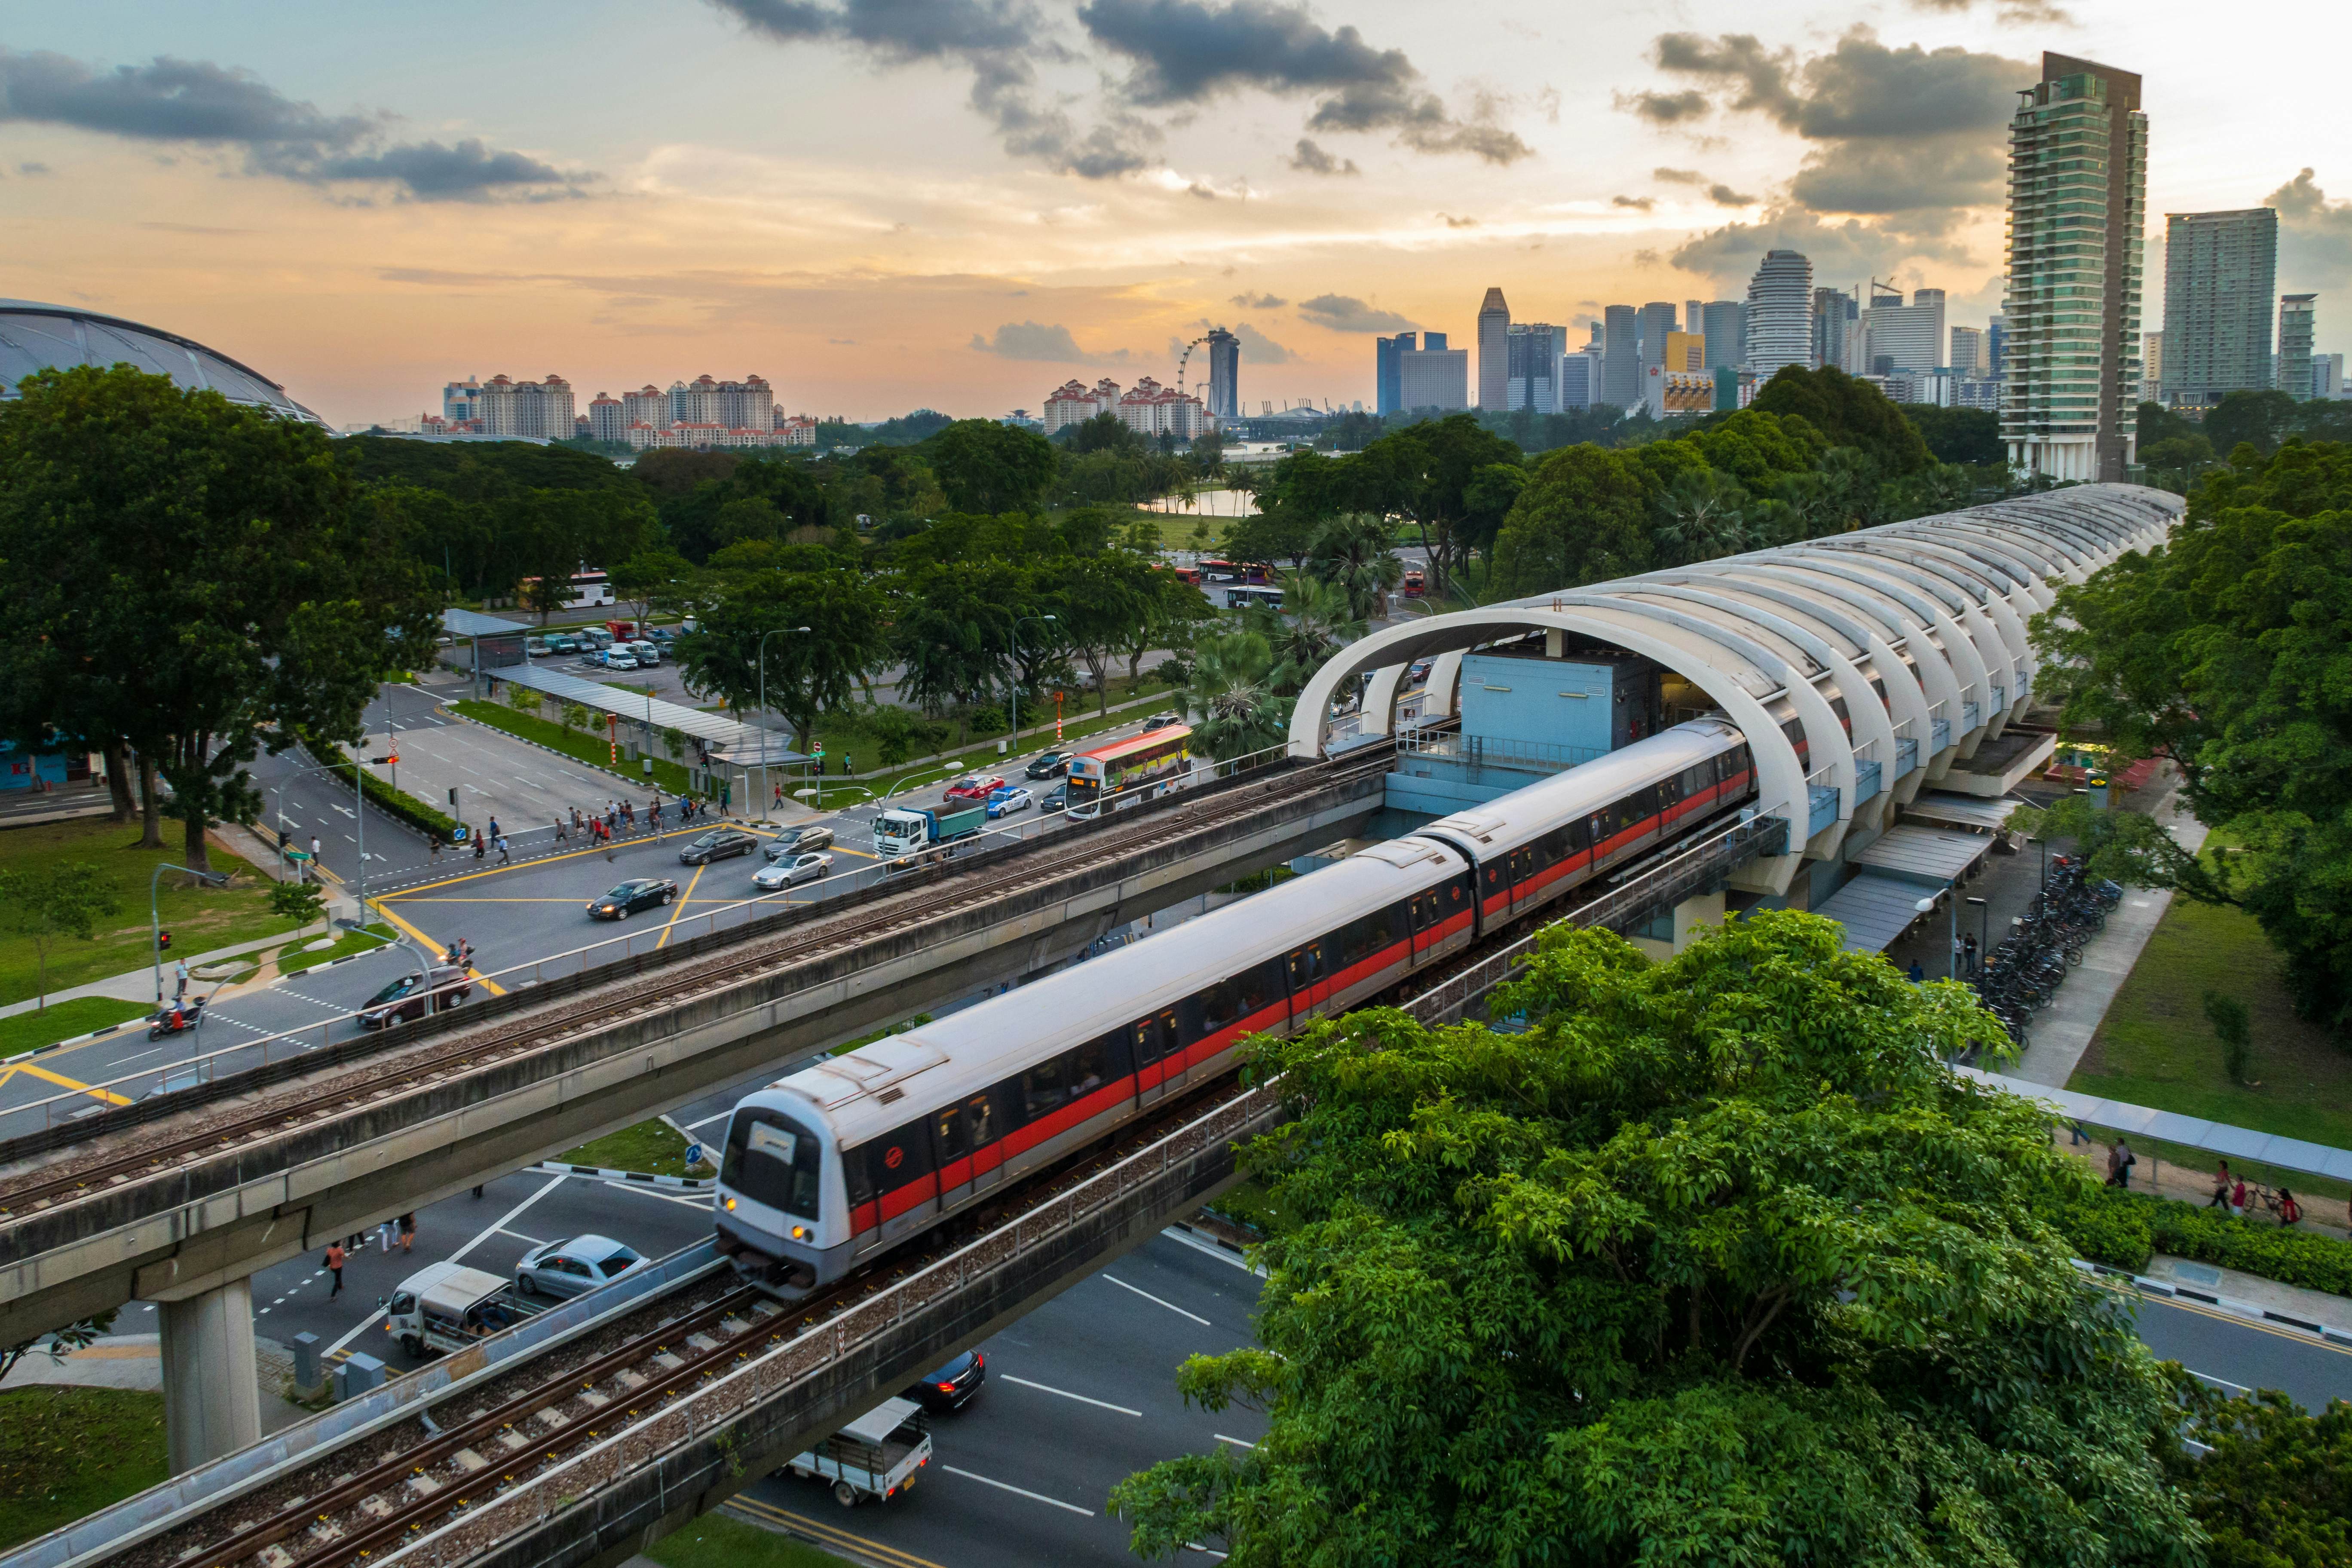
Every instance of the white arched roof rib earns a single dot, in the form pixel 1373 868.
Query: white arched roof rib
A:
pixel 1997 606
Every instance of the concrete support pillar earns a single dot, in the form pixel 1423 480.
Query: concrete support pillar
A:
pixel 212 1400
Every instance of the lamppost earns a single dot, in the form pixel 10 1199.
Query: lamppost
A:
pixel 155 915
pixel 764 730
pixel 1984 928
pixel 1012 735
pixel 2044 845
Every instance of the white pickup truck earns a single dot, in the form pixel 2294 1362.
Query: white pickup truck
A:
pixel 876 1456
pixel 446 1307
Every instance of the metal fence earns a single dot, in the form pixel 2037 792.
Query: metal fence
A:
pixel 1484 751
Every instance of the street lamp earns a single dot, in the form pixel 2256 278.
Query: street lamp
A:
pixel 1984 928
pixel 2044 845
pixel 764 729
pixel 1012 735
pixel 155 915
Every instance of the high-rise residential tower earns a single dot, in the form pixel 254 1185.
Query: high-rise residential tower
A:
pixel 1388 389
pixel 1780 314
pixel 1724 324
pixel 1494 351
pixel 2295 314
pixel 1224 373
pixel 1968 351
pixel 2151 367
pixel 1620 357
pixel 2077 211
pixel 1997 344
pixel 2219 270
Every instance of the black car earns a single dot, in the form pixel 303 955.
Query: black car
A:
pixel 404 1001
pixel 1056 799
pixel 639 893
pixel 1163 720
pixel 1049 765
pixel 952 1386
pixel 718 845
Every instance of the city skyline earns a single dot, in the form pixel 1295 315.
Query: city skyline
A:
pixel 365 215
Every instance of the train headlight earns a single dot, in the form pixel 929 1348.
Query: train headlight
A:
pixel 729 1203
pixel 800 1233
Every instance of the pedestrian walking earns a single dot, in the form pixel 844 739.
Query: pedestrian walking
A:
pixel 1959 957
pixel 481 847
pixel 2120 1160
pixel 2289 1211
pixel 384 1235
pixel 2221 1198
pixel 180 979
pixel 560 834
pixel 494 828
pixel 1919 975
pixel 1969 952
pixel 502 849
pixel 578 822
pixel 311 868
pixel 2237 1198
pixel 335 1266
pixel 780 794
pixel 437 844
pixel 478 1191
pixel 407 1232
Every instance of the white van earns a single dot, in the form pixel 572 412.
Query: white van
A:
pixel 447 1306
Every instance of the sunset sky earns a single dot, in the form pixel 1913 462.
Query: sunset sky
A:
pixel 881 204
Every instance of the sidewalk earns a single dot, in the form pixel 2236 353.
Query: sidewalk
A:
pixel 136 1361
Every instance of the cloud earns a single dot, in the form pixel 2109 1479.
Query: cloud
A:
pixel 1678 176
pixel 2017 13
pixel 1260 301
pixel 1722 195
pixel 1639 204
pixel 1841 253
pixel 1665 108
pixel 1311 159
pixel 1346 313
pixel 2315 236
pixel 1256 347
pixel 176 100
pixel 33 170
pixel 1185 52
pixel 1028 340
pixel 1452 222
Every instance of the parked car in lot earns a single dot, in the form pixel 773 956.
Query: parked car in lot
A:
pixel 618 658
pixel 561 643
pixel 647 654
pixel 798 840
pixel 719 843
pixel 1049 765
pixel 408 998
pixel 954 1385
pixel 534 648
pixel 1054 799
pixel 574 1265
pixel 637 893
pixel 1005 801
pixel 974 787
pixel 792 871
pixel 1163 720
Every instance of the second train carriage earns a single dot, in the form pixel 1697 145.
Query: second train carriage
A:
pixel 847 1158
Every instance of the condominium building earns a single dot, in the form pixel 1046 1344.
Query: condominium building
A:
pixel 459 401
pixel 1148 408
pixel 2296 314
pixel 2151 367
pixel 1620 373
pixel 607 419
pixel 1434 376
pixel 2327 375
pixel 1723 325
pixel 649 404
pixel 1494 351
pixel 1224 373
pixel 2077 209
pixel 1997 344
pixel 1904 337
pixel 2220 273
pixel 1535 352
pixel 537 410
pixel 1073 402
pixel 1781 313
pixel 1968 355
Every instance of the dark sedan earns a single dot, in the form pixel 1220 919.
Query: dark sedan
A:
pixel 718 844
pixel 639 893
pixel 406 1000
pixel 952 1386
pixel 1049 765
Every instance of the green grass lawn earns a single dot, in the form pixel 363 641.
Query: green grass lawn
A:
pixel 66 1452
pixel 295 958
pixel 199 919
pixel 651 1148
pixel 22 1032
pixel 581 745
pixel 2156 1047
pixel 721 1540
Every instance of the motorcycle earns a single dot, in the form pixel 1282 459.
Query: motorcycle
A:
pixel 177 1020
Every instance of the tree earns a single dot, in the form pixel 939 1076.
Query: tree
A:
pixel 1425 473
pixel 2222 652
pixel 649 576
pixel 1231 700
pixel 2262 419
pixel 1582 518
pixel 2276 1488
pixel 1314 622
pixel 59 1343
pixel 301 902
pixel 50 906
pixel 1970 437
pixel 953 630
pixel 2227 1016
pixel 1703 515
pixel 1714 1262
pixel 527 699
pixel 1356 555
pixel 1104 601
pixel 986 467
pixel 1174 611
pixel 199 577
pixel 1849 410
pixel 573 716
pixel 806 673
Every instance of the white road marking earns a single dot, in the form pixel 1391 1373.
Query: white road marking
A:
pixel 1020 1491
pixel 1065 1394
pixel 520 1236
pixel 2220 1381
pixel 158 1051
pixel 1170 1305
pixel 1236 1442
pixel 714 1116
pixel 1187 1239
pixel 691 1200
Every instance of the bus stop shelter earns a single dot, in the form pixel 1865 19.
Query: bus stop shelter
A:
pixel 498 644
pixel 710 745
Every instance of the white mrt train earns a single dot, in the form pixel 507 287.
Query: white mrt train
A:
pixel 847 1159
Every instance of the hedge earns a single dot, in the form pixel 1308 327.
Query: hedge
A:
pixel 393 803
pixel 2123 1229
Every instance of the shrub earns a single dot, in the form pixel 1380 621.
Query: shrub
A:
pixel 2121 1230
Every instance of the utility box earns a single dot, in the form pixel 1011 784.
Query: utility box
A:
pixel 357 1375
pixel 1581 701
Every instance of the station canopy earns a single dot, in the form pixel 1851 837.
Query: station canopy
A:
pixel 740 743
pixel 474 624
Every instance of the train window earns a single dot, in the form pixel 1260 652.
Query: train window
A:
pixel 1306 966
pixel 898 1157
pixel 1220 1006
pixel 1152 1040
pixel 861 1184
pixel 1087 1068
pixel 980 1120
pixel 1580 837
pixel 1388 928
pixel 948 1141
pixel 1042 1089
pixel 1417 913
pixel 773 1160
pixel 1354 943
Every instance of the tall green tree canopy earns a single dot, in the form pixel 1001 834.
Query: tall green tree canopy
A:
pixel 1716 1262
pixel 806 673
pixel 2229 651
pixel 195 577
pixel 1584 517
pixel 986 467
pixel 1849 412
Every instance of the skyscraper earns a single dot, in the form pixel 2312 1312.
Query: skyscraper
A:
pixel 1968 351
pixel 2151 367
pixel 1388 391
pixel 1580 377
pixel 2077 209
pixel 1837 330
pixel 1620 357
pixel 1434 376
pixel 1724 327
pixel 1997 344
pixel 1494 351
pixel 1904 337
pixel 1224 373
pixel 2296 314
pixel 1780 314
pixel 1535 351
pixel 1657 320
pixel 2219 269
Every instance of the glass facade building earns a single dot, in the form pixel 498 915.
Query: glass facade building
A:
pixel 2077 216
pixel 2218 272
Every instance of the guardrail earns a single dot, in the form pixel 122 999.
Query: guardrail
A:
pixel 754 916
pixel 1482 750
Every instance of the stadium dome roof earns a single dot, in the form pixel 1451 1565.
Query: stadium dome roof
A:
pixel 41 337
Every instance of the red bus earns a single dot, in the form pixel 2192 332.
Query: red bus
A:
pixel 1136 768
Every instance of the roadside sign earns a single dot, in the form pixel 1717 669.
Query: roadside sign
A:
pixel 693 1155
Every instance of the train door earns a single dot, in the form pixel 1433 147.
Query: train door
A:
pixel 1157 1067
pixel 985 1131
pixel 951 1149
pixel 1310 980
pixel 1519 869
pixel 1421 913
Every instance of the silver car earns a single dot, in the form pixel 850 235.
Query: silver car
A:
pixel 791 871
pixel 799 840
pixel 569 1267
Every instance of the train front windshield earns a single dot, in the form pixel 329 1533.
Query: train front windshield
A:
pixel 773 1160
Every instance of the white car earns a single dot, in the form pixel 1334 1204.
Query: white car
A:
pixel 1005 801
pixel 791 871
pixel 614 658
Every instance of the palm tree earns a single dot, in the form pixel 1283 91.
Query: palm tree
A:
pixel 1357 554
pixel 1232 700
pixel 1314 622
pixel 1850 487
pixel 1703 515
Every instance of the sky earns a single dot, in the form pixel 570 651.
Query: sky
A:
pixel 886 205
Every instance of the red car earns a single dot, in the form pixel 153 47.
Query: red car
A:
pixel 975 787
